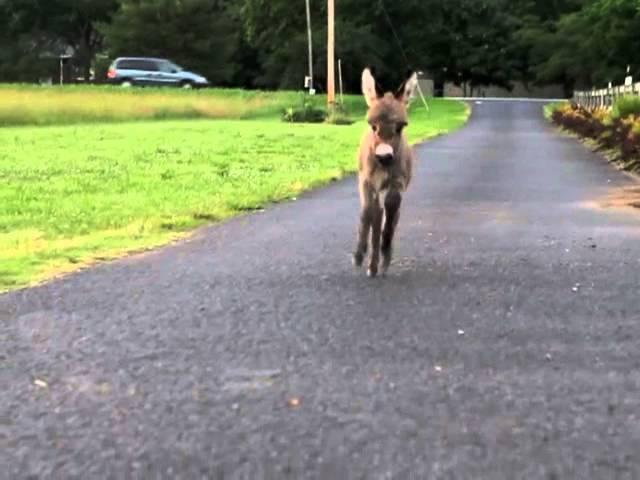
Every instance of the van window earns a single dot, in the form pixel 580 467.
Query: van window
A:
pixel 145 65
pixel 125 65
pixel 169 67
pixel 165 67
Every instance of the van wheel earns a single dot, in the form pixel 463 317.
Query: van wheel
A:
pixel 126 83
pixel 186 85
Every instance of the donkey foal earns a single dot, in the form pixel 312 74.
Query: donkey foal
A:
pixel 385 166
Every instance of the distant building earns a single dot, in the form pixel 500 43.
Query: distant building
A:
pixel 59 63
pixel 519 90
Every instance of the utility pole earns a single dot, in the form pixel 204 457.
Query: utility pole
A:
pixel 331 74
pixel 310 48
pixel 340 80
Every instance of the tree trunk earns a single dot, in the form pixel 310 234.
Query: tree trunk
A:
pixel 568 87
pixel 87 50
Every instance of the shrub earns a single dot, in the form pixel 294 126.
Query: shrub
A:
pixel 630 141
pixel 611 131
pixel 607 139
pixel 602 115
pixel 307 112
pixel 586 123
pixel 626 107
pixel 338 115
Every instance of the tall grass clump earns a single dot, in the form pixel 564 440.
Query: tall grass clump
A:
pixel 306 111
pixel 35 105
pixel 626 107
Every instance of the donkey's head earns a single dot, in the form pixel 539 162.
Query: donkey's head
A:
pixel 387 114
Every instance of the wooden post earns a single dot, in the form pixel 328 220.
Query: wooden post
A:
pixel 628 85
pixel 310 46
pixel 331 74
pixel 340 80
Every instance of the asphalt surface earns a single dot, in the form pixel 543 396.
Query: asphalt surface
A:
pixel 503 344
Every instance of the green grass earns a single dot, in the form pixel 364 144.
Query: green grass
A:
pixel 626 106
pixel 22 105
pixel 72 195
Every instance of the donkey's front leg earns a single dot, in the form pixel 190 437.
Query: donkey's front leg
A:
pixel 363 236
pixel 392 203
pixel 364 227
pixel 376 227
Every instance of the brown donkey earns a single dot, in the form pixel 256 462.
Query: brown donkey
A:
pixel 385 167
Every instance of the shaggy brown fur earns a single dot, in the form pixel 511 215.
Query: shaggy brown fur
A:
pixel 385 167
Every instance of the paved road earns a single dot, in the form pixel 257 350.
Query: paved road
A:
pixel 256 351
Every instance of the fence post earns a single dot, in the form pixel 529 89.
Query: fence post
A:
pixel 628 84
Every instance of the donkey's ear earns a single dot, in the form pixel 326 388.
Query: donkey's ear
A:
pixel 369 88
pixel 407 90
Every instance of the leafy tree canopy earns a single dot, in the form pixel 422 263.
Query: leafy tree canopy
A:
pixel 263 43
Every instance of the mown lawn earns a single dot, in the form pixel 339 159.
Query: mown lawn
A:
pixel 75 194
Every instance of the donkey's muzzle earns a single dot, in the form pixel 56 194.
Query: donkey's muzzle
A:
pixel 384 154
pixel 385 160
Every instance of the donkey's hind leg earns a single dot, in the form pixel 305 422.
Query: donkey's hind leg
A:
pixel 392 203
pixel 376 228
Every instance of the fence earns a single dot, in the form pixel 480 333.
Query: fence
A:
pixel 606 97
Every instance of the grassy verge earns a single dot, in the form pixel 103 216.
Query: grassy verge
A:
pixel 73 195
pixel 32 105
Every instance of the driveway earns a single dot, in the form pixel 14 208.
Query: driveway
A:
pixel 504 343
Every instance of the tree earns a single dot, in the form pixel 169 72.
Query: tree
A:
pixel 480 43
pixel 40 26
pixel 580 42
pixel 262 43
pixel 465 41
pixel 604 37
pixel 199 34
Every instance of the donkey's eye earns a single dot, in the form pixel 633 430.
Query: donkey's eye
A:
pixel 400 127
pixel 374 128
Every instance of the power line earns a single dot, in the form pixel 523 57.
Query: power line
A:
pixel 404 54
pixel 393 30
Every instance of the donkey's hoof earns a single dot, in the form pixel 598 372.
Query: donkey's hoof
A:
pixel 372 272
pixel 358 258
pixel 386 262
